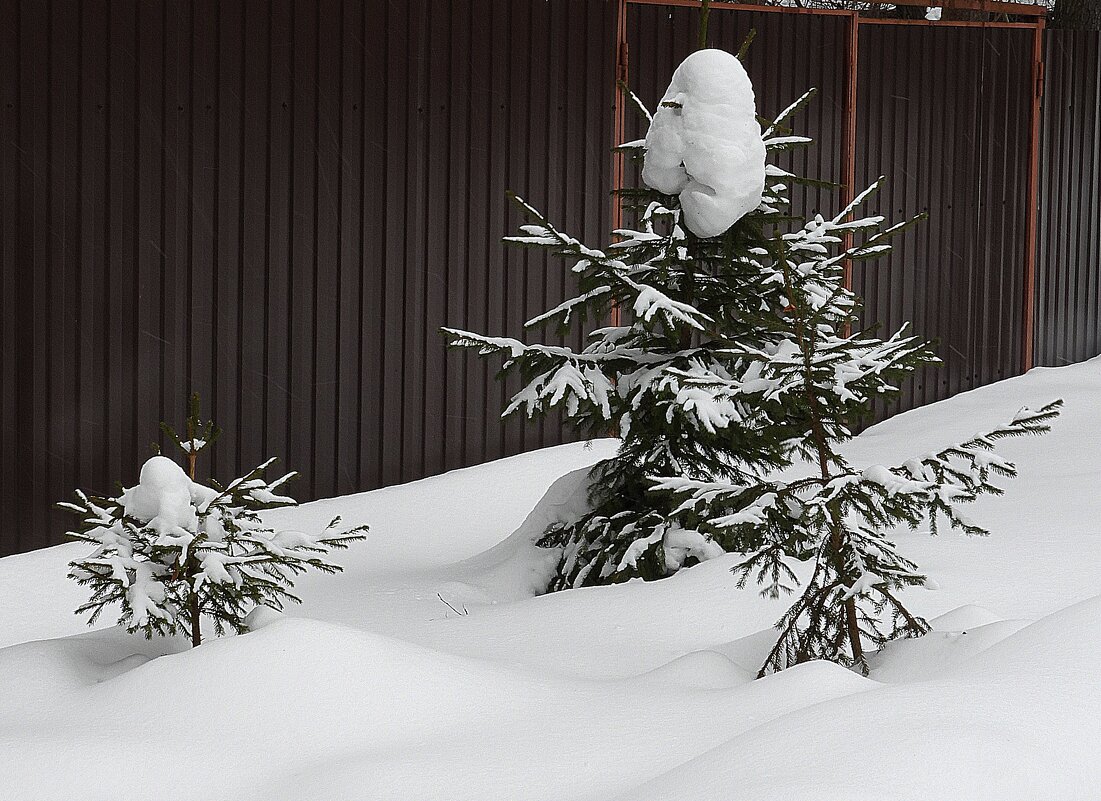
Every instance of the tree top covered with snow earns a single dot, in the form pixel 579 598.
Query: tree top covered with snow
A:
pixel 704 143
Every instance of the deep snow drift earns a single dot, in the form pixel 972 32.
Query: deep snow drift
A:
pixel 376 688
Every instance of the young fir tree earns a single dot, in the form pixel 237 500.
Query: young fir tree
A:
pixel 821 379
pixel 687 282
pixel 170 551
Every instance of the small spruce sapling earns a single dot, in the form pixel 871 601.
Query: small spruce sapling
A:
pixel 171 551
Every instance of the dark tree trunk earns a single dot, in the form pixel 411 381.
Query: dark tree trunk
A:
pixel 196 632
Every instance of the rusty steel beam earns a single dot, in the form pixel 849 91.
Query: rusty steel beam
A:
pixel 620 125
pixel 988 6
pixel 946 23
pixel 848 189
pixel 743 7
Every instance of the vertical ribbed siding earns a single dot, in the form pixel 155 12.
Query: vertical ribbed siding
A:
pixel 1068 275
pixel 943 113
pixel 277 204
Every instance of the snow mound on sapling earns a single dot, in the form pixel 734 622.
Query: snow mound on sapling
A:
pixel 705 143
pixel 162 499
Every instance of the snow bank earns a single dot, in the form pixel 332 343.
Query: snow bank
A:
pixel 518 563
pixel 705 144
pixel 373 688
pixel 1017 722
pixel 304 709
pixel 419 531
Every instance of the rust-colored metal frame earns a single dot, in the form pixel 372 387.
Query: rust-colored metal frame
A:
pixel 987 6
pixel 850 101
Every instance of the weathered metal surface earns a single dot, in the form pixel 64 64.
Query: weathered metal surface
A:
pixel 277 204
pixel 1068 285
pixel 944 113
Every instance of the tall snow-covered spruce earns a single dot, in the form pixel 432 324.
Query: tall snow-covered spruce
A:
pixel 170 551
pixel 688 282
pixel 737 375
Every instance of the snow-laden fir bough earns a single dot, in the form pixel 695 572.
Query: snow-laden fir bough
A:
pixel 736 361
pixel 170 551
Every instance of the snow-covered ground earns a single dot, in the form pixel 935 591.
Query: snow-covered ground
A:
pixel 375 688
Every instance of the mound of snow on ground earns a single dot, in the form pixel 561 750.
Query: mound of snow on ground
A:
pixel 428 670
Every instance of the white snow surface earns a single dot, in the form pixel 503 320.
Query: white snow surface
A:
pixel 375 688
pixel 705 144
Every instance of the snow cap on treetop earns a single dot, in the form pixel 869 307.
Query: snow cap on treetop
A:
pixel 162 497
pixel 705 144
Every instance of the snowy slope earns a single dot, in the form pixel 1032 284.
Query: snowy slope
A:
pixel 375 688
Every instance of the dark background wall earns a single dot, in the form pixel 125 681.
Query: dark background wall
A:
pixel 1068 286
pixel 945 114
pixel 276 204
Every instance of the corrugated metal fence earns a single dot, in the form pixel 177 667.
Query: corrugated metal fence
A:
pixel 1068 287
pixel 944 113
pixel 277 203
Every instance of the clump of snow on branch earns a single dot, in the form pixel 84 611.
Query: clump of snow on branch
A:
pixel 169 545
pixel 704 143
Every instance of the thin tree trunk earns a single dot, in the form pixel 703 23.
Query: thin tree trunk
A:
pixel 196 631
pixel 818 434
pixel 193 597
pixel 701 37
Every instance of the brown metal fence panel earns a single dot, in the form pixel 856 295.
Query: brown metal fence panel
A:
pixel 944 114
pixel 276 204
pixel 1068 285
